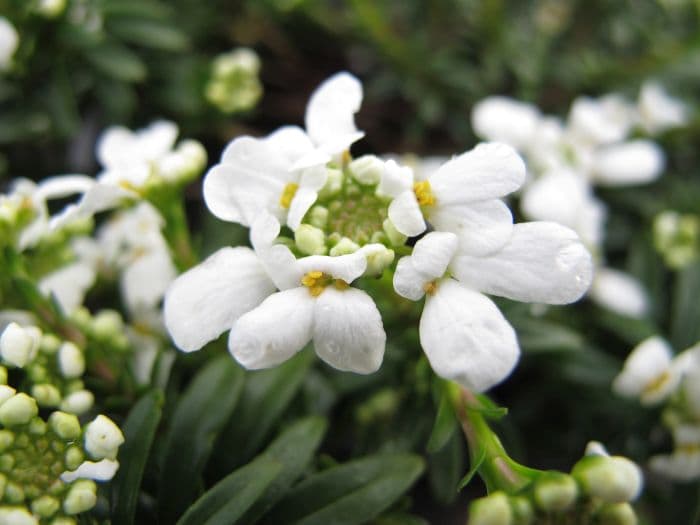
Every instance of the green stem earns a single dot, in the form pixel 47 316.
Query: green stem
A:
pixel 176 231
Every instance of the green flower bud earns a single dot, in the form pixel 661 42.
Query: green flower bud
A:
pixel 81 316
pixel 45 506
pixel 378 261
pixel 18 410
pixel 344 247
pixel 522 510
pixel 494 509
pixel 333 185
pixel 74 457
pixel 107 324
pixel 65 426
pixel 614 479
pixel 17 516
pixel 103 438
pixel 555 491
pixel 616 514
pixel 7 437
pixel 81 496
pixel 77 402
pixel 37 373
pixel 37 427
pixel 46 395
pixel 7 461
pixel 367 170
pixel 396 238
pixel 49 344
pixel 310 240
pixel 50 8
pixel 6 392
pixel 63 520
pixel 13 493
pixel 71 361
pixel 318 216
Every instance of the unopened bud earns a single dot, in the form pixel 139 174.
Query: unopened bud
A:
pixel 13 493
pixel 378 259
pixel 522 510
pixel 555 491
pixel 318 216
pixel 63 520
pixel 46 395
pixel 614 479
pixel 19 345
pixel 17 516
pixel 78 402
pixel 81 496
pixel 344 246
pixel 6 392
pixel 49 344
pixel 367 170
pixel 37 427
pixel 616 514
pixel 18 410
pixel 74 457
pixel 103 438
pixel 107 323
pixel 334 182
pixel 494 509
pixel 7 437
pixel 45 506
pixel 71 360
pixel 310 240
pixel 65 426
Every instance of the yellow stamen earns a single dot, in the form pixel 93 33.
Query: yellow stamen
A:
pixel 315 274
pixel 657 383
pixel 316 290
pixel 430 288
pixel 128 186
pixel 288 194
pixel 346 157
pixel 688 448
pixel 316 282
pixel 424 194
pixel 340 284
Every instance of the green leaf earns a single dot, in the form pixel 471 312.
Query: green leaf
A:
pixel 685 323
pixel 481 456
pixel 199 416
pixel 116 61
pixel 265 397
pixel 538 335
pixel 228 500
pixel 294 449
pixel 139 430
pixel 445 424
pixel 489 409
pixel 446 466
pixel 349 494
pixel 148 33
pixel 136 8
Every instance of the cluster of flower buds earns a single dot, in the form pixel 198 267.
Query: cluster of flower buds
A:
pixel 677 238
pixel 598 490
pixel 654 376
pixel 234 84
pixel 566 159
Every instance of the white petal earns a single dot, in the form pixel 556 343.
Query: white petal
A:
pixel 157 139
pixel 634 162
pixel 482 227
pixel 99 197
pixel 408 282
pixel 303 199
pixel 274 331
pixel 348 330
pixel 619 292
pixel 649 362
pixel 290 142
pixel 69 284
pixel 488 171
pixel 346 267
pixel 395 179
pixel 405 214
pixel 113 145
pixel 432 254
pixel 203 302
pixel 99 471
pixel 505 120
pixel 543 262
pixel 145 280
pixel 600 121
pixel 277 259
pixel 659 111
pixel 62 186
pixel 330 114
pixel 313 159
pixel 680 466
pixel 466 338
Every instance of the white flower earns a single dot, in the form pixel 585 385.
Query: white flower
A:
pixel 619 292
pixel 19 345
pixel 600 121
pixel 648 373
pixel 9 41
pixel 683 464
pixel 103 470
pixel 71 361
pixel 283 172
pixel 658 111
pixel 462 197
pixel 102 438
pixel 627 163
pixel 504 119
pixel 464 335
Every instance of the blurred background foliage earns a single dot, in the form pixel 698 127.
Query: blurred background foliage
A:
pixel 423 64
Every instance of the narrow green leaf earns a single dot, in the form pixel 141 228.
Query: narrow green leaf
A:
pixel 294 449
pixel 446 467
pixel 538 335
pixel 139 430
pixel 349 494
pixel 199 416
pixel 229 499
pixel 116 61
pixel 265 397
pixel 685 324
pixel 481 456
pixel 148 33
pixel 445 424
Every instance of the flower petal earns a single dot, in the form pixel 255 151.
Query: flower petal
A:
pixel 69 284
pixel 488 171
pixel 145 280
pixel 648 364
pixel 277 259
pixel 204 302
pixel 409 282
pixel 346 267
pixel 466 338
pixel 619 292
pixel 303 199
pixel 405 214
pixel 103 470
pixel 97 198
pixel 395 179
pixel 274 331
pixel 482 227
pixel 629 163
pixel 330 114
pixel 543 262
pixel 432 254
pixel 62 186
pixel 348 331
pixel 506 120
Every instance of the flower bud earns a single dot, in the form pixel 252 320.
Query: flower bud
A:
pixel 310 240
pixel 367 170
pixel 71 361
pixel 37 427
pixel 78 402
pixel 73 457
pixel 45 506
pixel 378 260
pixel 19 345
pixel 6 392
pixel 617 514
pixel 17 516
pixel 81 496
pixel 107 323
pixel 65 426
pixel 49 344
pixel 614 479
pixel 555 491
pixel 318 216
pixel 46 395
pixel 13 493
pixel 396 238
pixel 18 410
pixel 334 182
pixel 63 520
pixel 7 437
pixel 491 510
pixel 344 246
pixel 522 510
pixel 102 438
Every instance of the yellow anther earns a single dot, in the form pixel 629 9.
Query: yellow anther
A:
pixel 288 194
pixel 346 157
pixel 127 185
pixel 309 281
pixel 316 282
pixel 315 274
pixel 430 288
pixel 657 383
pixel 424 194
pixel 316 290
pixel 340 284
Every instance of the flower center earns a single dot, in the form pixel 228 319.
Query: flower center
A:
pixel 356 215
pixel 288 194
pixel 657 383
pixel 424 194
pixel 317 281
pixel 430 287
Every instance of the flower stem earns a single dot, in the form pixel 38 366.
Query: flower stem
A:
pixel 176 230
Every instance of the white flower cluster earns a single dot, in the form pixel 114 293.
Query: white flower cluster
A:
pixel 566 159
pixel 653 375
pixel 348 219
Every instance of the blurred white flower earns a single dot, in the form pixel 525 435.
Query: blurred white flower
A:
pixel 503 119
pixel 658 111
pixel 683 464
pixel 9 41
